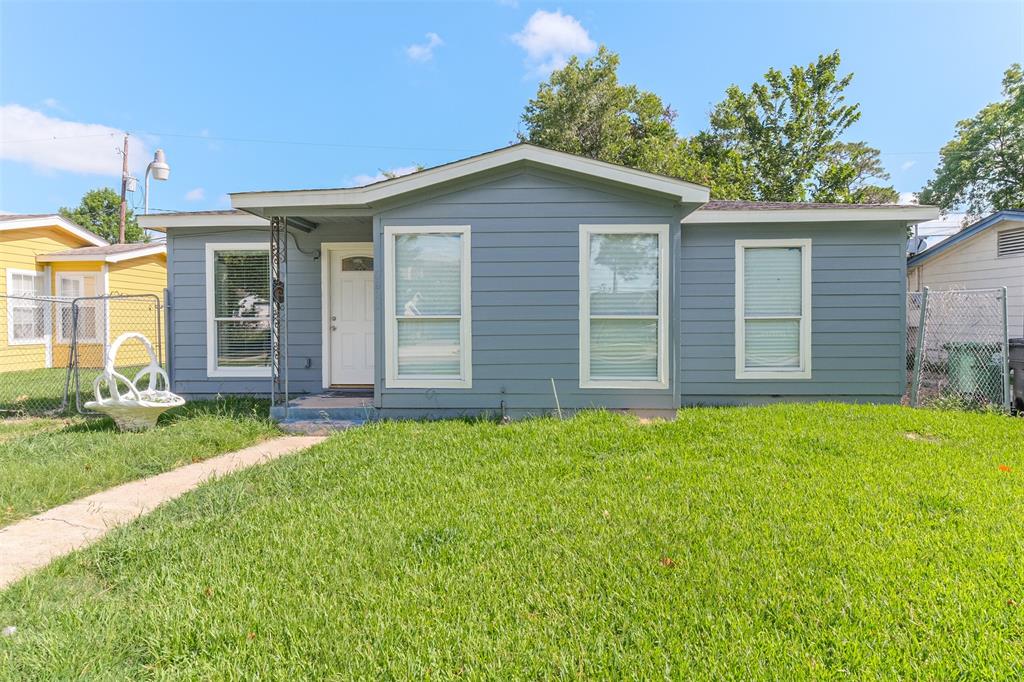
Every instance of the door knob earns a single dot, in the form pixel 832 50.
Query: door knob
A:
pixel 333 328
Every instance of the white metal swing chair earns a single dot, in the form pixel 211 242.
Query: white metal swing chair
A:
pixel 135 410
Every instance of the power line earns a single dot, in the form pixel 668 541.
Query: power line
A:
pixel 302 143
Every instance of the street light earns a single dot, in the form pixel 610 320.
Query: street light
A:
pixel 160 170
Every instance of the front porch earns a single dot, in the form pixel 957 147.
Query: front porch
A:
pixel 330 410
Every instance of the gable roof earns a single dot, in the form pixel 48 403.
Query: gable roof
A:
pixel 367 196
pixel 965 234
pixel 111 253
pixel 24 221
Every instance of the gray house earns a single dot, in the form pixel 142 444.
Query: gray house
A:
pixel 524 279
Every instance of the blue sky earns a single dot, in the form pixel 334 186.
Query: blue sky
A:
pixel 290 95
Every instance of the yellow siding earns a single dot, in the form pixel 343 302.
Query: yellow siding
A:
pixel 146 275
pixel 18 251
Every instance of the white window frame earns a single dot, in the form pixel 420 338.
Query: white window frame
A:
pixel 391 376
pixel 12 304
pixel 664 296
pixel 804 370
pixel 99 305
pixel 212 368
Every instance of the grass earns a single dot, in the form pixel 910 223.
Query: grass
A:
pixel 797 542
pixel 39 391
pixel 46 462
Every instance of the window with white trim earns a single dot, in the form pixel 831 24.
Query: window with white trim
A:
pixel 624 306
pixel 238 309
pixel 427 335
pixel 91 318
pixel 773 309
pixel 27 319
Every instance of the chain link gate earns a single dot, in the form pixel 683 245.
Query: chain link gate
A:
pixel 957 349
pixel 52 348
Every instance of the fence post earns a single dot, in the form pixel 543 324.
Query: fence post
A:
pixel 916 381
pixel 1006 351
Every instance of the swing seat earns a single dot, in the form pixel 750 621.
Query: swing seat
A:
pixel 137 409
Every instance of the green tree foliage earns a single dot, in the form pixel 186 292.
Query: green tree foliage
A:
pixel 847 177
pixel 982 168
pixel 100 212
pixel 786 133
pixel 583 109
pixel 780 141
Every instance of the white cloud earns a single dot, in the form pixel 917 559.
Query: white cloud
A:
pixel 907 198
pixel 424 52
pixel 907 165
pixel 363 179
pixel 197 194
pixel 550 38
pixel 53 144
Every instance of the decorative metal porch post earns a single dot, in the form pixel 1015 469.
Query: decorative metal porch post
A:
pixel 278 312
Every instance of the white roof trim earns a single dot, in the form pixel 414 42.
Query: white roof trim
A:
pixel 54 221
pixel 367 196
pixel 813 215
pixel 160 222
pixel 108 258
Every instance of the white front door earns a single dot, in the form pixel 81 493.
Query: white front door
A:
pixel 351 318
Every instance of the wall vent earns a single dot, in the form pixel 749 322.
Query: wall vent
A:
pixel 1010 242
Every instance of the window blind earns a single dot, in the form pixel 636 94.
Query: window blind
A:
pixel 427 308
pixel 242 307
pixel 623 269
pixel 773 308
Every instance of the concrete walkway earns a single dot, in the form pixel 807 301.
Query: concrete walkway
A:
pixel 31 544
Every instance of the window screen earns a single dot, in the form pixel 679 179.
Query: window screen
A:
pixel 241 280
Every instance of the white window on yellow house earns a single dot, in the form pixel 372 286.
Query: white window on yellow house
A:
pixel 72 286
pixel 27 318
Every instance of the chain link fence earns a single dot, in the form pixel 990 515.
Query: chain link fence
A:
pixel 957 349
pixel 52 348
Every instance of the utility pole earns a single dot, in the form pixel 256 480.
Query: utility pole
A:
pixel 124 188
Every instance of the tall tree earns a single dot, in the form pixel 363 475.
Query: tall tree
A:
pixel 99 212
pixel 786 130
pixel 583 109
pixel 982 168
pixel 849 171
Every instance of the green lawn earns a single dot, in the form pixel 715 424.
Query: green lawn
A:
pixel 46 462
pixel 785 542
pixel 41 391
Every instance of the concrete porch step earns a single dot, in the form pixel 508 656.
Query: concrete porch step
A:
pixel 318 427
pixel 325 407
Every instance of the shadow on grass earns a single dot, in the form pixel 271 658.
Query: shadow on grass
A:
pixel 230 407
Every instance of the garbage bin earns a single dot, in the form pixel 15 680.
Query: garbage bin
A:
pixel 1017 369
pixel 975 369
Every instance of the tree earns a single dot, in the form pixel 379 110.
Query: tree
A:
pixel 583 109
pixel 100 212
pixel 849 168
pixel 982 168
pixel 785 132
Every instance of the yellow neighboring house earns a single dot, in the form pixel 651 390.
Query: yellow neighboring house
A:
pixel 48 255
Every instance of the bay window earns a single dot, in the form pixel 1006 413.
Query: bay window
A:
pixel 624 306
pixel 773 309
pixel 238 310
pixel 427 303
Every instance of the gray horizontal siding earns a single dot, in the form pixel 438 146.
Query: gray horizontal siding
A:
pixel 525 293
pixel 187 259
pixel 857 312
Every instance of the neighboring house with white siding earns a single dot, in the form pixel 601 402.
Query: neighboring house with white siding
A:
pixel 988 254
